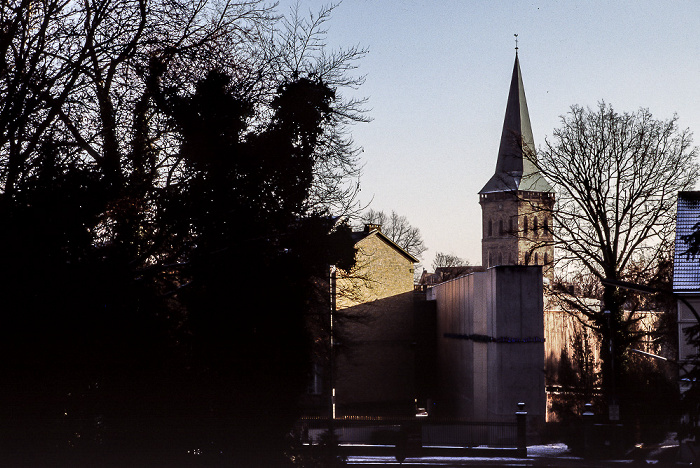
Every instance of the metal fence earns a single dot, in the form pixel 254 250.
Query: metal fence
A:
pixel 431 433
pixel 470 434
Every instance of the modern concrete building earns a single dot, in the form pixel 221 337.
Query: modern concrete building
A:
pixel 516 202
pixel 490 349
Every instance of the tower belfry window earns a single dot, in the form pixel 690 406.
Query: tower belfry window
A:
pixel 535 228
pixel 500 227
pixel 525 224
pixel 490 228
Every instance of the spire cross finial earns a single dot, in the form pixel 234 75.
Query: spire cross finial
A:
pixel 516 42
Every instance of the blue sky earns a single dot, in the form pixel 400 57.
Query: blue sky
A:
pixel 437 77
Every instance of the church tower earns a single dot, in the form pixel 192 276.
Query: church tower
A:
pixel 516 202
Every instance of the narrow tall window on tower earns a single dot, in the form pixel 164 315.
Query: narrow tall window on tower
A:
pixel 536 263
pixel 510 227
pixel 535 228
pixel 500 227
pixel 490 228
pixel 545 226
pixel 525 224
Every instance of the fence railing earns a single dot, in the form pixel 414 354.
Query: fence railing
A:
pixel 430 432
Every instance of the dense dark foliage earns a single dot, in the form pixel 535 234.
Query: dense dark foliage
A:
pixel 162 236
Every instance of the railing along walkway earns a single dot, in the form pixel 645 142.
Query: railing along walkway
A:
pixel 419 436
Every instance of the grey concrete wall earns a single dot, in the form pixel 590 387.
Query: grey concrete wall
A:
pixel 517 368
pixel 490 344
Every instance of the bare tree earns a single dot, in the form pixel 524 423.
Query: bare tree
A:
pixel 398 229
pixel 447 260
pixel 616 178
pixel 90 146
pixel 84 76
pixel 302 47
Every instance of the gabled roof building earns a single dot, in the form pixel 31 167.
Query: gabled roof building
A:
pixel 686 269
pixel 377 329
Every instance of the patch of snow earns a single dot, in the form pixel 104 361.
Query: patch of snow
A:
pixel 549 450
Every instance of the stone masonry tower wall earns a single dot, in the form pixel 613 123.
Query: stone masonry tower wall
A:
pixel 517 229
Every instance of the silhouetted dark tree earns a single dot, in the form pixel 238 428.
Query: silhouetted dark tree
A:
pixel 163 226
pixel 253 250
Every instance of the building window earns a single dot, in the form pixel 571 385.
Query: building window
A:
pixel 546 258
pixel 685 349
pixel 525 225
pixel 500 227
pixel 490 228
pixel 510 226
pixel 535 227
pixel 545 225
pixel 536 259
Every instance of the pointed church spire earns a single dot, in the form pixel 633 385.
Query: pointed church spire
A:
pixel 513 169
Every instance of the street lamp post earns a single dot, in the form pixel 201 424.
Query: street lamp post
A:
pixel 331 355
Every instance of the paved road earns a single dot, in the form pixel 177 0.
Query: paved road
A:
pixel 456 462
pixel 553 455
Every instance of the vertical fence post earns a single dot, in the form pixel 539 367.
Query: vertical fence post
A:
pixel 587 418
pixel 521 418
